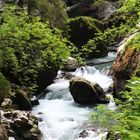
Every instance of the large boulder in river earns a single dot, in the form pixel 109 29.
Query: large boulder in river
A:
pixel 86 92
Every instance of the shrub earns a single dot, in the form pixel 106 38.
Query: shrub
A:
pixel 51 10
pixel 29 46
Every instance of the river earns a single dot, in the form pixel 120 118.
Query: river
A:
pixel 60 117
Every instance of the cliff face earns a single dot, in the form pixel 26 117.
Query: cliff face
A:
pixel 126 64
pixel 123 68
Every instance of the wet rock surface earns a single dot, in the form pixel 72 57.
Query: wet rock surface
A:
pixel 86 92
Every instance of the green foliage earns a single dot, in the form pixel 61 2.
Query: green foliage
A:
pixel 28 46
pixel 130 119
pixel 53 11
pixel 135 42
pixel 121 23
pixel 124 123
pixel 99 45
pixel 4 87
pixel 103 117
pixel 131 8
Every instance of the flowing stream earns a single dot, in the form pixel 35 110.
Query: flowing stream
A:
pixel 60 117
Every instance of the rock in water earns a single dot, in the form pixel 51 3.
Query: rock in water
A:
pixel 86 92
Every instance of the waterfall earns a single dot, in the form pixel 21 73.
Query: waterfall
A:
pixel 60 117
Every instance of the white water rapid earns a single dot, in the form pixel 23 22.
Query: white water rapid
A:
pixel 63 119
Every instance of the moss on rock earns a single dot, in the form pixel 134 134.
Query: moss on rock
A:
pixel 82 29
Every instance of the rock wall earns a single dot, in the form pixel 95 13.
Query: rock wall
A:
pixel 123 68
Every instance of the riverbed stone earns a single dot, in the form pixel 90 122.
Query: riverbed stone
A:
pixel 86 92
pixel 21 125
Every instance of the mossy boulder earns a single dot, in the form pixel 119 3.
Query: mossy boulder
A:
pixel 82 29
pixel 86 92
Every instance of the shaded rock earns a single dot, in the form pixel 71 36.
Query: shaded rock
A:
pixel 71 64
pixel 113 136
pixel 123 68
pixel 45 78
pixel 22 100
pixel 21 125
pixel 104 9
pixel 86 92
pixel 83 134
pixel 97 9
pixel 116 19
pixel 89 132
pixel 82 29
pixel 34 101
pixel 3 133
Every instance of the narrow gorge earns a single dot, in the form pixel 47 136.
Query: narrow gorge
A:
pixel 69 69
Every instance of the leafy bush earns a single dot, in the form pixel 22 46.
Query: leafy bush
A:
pixel 100 44
pixel 129 122
pixel 51 10
pixel 29 46
pixel 134 42
pixel 103 117
pixel 124 123
pixel 120 24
